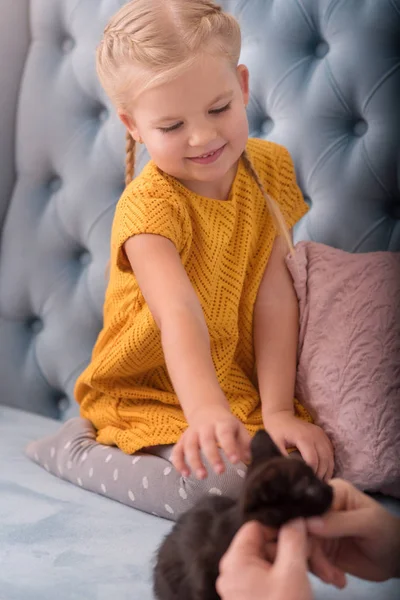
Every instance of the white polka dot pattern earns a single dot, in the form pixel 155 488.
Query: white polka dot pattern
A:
pixel 215 491
pixel 147 482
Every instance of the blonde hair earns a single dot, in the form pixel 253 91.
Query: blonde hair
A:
pixel 162 38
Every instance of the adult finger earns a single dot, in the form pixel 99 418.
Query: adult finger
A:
pixel 341 524
pixel 321 566
pixel 346 496
pixel 292 551
pixel 247 544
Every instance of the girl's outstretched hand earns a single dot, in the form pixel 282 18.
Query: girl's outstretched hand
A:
pixel 311 441
pixel 210 427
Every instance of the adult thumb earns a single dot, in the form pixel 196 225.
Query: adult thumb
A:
pixel 247 544
pixel 292 551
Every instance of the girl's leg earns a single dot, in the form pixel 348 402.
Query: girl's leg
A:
pixel 146 481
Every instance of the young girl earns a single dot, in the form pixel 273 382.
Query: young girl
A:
pixel 198 348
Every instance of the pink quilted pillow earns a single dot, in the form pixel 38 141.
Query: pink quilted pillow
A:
pixel 349 358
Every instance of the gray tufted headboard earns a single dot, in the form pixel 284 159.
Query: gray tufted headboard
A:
pixel 325 82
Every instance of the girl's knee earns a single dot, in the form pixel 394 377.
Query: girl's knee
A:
pixel 229 483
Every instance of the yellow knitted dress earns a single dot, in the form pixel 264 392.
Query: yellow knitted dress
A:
pixel 224 246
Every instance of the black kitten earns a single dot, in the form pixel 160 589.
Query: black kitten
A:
pixel 276 489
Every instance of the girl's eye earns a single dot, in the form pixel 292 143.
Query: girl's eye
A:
pixel 171 128
pixel 217 111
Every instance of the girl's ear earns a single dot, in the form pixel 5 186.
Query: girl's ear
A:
pixel 243 76
pixel 130 125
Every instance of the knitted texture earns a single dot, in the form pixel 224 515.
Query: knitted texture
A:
pixel 126 391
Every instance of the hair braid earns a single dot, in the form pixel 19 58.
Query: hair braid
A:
pixel 130 158
pixel 271 204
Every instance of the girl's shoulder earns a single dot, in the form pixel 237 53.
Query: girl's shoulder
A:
pixel 151 183
pixel 149 204
pixel 151 196
pixel 266 155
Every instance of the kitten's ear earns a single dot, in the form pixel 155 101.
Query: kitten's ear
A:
pixel 262 447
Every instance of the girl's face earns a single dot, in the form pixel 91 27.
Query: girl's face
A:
pixel 195 127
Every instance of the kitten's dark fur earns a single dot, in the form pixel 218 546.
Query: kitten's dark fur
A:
pixel 276 489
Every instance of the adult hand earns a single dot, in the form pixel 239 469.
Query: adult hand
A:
pixel 245 572
pixel 358 535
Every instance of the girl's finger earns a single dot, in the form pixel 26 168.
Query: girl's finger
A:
pixel 178 459
pixel 281 444
pixel 192 455
pixel 210 450
pixel 226 436
pixel 244 444
pixel 325 449
pixel 323 462
pixel 331 463
pixel 309 454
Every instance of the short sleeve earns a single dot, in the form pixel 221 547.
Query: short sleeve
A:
pixel 291 201
pixel 138 212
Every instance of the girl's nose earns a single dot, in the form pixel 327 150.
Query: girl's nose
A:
pixel 202 135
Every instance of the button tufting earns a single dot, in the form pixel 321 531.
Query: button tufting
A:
pixel 103 115
pixel 55 184
pixel 267 125
pixel 84 258
pixel 321 49
pixel 67 45
pixel 63 404
pixel 360 128
pixel 394 211
pixel 35 325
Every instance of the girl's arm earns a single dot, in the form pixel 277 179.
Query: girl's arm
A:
pixel 276 323
pixel 186 344
pixel 177 311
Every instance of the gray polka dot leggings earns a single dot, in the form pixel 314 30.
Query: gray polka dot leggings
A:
pixel 146 480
